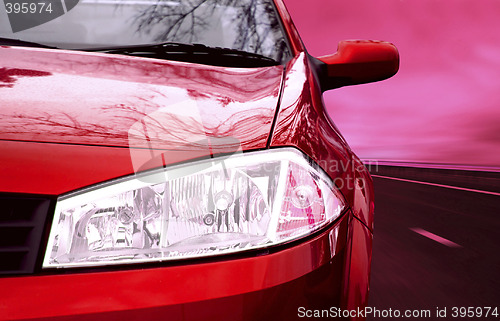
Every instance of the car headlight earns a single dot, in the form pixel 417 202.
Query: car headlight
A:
pixel 211 207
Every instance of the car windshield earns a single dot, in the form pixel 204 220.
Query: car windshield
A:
pixel 245 25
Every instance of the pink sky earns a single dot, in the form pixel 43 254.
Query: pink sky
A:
pixel 443 105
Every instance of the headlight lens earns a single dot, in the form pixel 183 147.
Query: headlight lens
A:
pixel 211 207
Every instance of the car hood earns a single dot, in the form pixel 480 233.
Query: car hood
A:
pixel 70 119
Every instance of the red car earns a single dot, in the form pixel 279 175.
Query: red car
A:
pixel 173 160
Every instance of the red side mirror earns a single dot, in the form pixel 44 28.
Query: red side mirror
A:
pixel 359 62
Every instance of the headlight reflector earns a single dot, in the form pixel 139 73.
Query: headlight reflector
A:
pixel 246 201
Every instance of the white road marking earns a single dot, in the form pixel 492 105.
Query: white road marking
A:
pixel 64 6
pixel 438 185
pixel 435 237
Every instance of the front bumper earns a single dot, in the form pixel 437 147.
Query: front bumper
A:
pixel 309 273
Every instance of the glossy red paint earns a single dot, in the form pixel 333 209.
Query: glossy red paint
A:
pixel 95 132
pixel 175 290
pixel 356 292
pixel 303 122
pixel 147 113
pixel 364 198
pixel 116 93
pixel 442 106
pixel 293 36
pixel 361 61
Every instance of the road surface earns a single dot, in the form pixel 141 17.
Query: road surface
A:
pixel 434 247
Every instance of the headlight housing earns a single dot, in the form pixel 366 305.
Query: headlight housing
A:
pixel 210 207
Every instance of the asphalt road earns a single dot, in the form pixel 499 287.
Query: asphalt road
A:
pixel 434 247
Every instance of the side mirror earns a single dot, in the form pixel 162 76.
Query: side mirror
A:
pixel 358 62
